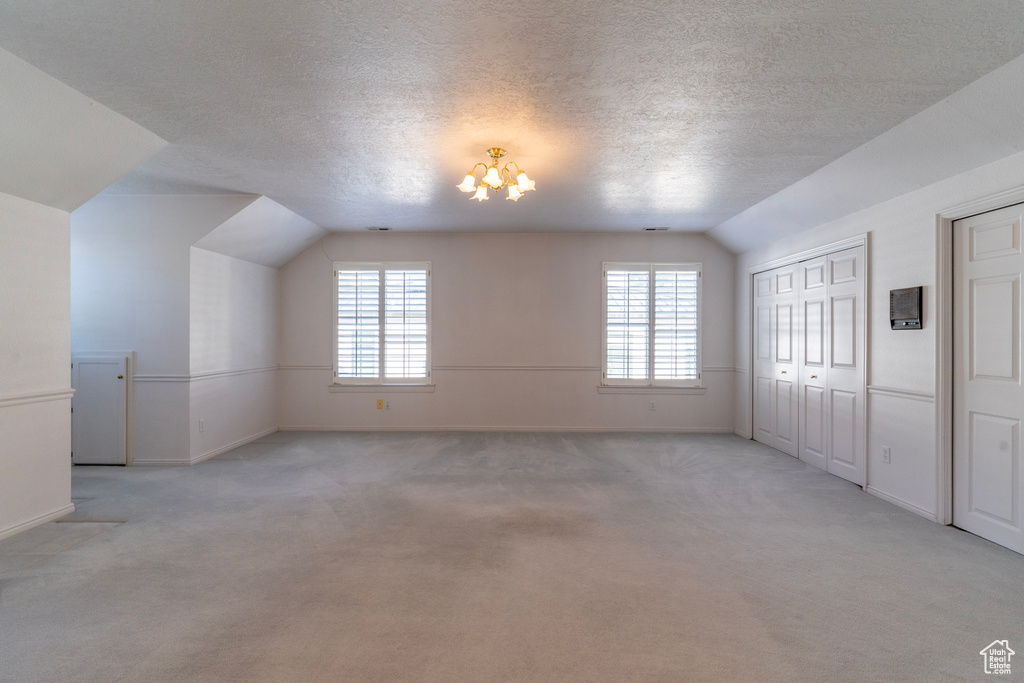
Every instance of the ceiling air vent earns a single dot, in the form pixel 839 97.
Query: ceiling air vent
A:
pixel 654 229
pixel 377 228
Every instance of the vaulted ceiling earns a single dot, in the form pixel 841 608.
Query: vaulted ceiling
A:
pixel 645 113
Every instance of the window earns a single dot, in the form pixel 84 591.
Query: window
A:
pixel 652 324
pixel 383 323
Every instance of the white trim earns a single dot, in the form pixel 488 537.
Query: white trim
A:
pixel 36 397
pixel 823 250
pixel 725 368
pixel 606 430
pixel 860 240
pixel 164 462
pixel 381 388
pixel 232 446
pixel 304 367
pixel 528 368
pixel 230 373
pixel 893 392
pixel 1014 195
pixel 944 335
pixel 899 502
pixel 36 521
pixel 944 367
pixel 648 390
pixel 740 434
pixel 161 462
pixel 101 355
pixel 162 378
pixel 184 379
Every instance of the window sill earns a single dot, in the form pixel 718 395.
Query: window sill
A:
pixel 609 389
pixel 381 388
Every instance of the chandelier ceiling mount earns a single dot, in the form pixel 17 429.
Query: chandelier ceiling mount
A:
pixel 496 179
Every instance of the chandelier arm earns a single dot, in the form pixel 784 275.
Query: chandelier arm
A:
pixel 506 177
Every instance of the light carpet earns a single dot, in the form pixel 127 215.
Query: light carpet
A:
pixel 498 557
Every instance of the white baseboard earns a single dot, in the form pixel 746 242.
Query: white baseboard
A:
pixel 742 435
pixel 230 446
pixel 41 519
pixel 898 502
pixel 606 430
pixel 205 456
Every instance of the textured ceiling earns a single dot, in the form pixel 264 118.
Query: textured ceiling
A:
pixel 627 114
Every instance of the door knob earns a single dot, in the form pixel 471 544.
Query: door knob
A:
pixel 814 377
pixel 783 372
pixel 120 376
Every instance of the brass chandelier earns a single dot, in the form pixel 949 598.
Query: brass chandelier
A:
pixel 495 179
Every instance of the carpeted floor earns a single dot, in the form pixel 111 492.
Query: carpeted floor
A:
pixel 498 557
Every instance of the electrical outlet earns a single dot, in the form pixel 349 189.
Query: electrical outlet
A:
pixel 652 405
pixel 202 426
pixel 886 454
pixel 387 405
pixel 380 404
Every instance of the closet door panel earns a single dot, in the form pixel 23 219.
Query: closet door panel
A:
pixel 847 278
pixel 787 407
pixel 813 441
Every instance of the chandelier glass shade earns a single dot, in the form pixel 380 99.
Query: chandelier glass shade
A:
pixel 496 179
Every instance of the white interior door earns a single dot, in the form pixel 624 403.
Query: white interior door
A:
pixel 813 362
pixel 99 411
pixel 988 401
pixel 847 426
pixel 775 345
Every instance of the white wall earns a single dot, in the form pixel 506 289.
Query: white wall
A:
pixel 35 397
pixel 516 325
pixel 902 376
pixel 233 335
pixel 59 147
pixel 264 232
pixel 130 291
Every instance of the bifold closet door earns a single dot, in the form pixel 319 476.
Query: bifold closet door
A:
pixel 809 361
pixel 846 274
pixel 775 359
pixel 988 397
pixel 814 362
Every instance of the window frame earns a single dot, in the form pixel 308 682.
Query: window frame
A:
pixel 651 269
pixel 381 379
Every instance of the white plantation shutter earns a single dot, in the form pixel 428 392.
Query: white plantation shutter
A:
pixel 675 324
pixel 383 324
pixel 652 324
pixel 358 324
pixel 405 324
pixel 627 321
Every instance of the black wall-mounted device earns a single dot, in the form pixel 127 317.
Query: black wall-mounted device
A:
pixel 905 308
